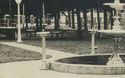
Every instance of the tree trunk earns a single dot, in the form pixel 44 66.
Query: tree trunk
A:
pixel 85 20
pixel 26 14
pixel 56 22
pixel 98 17
pixel 69 18
pixel 92 25
pixel 73 20
pixel 105 19
pixel 41 26
pixel 111 18
pixel 26 22
pixel 79 23
pixel 37 25
pixel 57 25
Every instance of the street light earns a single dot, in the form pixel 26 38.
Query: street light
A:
pixel 19 29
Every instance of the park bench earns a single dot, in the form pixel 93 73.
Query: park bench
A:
pixel 56 33
pixel 10 32
pixel 30 32
pixel 61 33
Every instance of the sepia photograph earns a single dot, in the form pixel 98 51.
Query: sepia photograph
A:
pixel 62 38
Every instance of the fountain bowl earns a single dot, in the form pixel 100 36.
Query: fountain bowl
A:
pixel 117 6
pixel 43 33
pixel 112 31
pixel 115 33
pixel 87 64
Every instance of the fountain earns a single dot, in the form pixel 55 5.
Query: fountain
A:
pixel 117 6
pixel 109 64
pixel 117 31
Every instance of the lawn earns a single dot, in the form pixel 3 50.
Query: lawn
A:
pixel 12 54
pixel 105 45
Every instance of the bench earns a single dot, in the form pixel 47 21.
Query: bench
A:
pixel 30 32
pixel 10 32
pixel 57 34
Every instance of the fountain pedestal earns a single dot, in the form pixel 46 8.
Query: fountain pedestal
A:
pixel 116 23
pixel 43 35
pixel 115 59
pixel 93 47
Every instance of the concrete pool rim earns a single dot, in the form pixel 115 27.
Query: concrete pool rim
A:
pixel 86 69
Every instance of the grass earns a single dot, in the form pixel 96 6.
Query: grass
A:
pixel 12 54
pixel 105 45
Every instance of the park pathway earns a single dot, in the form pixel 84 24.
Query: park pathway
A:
pixel 31 69
pixel 53 53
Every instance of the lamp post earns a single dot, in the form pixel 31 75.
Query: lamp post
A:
pixel 19 29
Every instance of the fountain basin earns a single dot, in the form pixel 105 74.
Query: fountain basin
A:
pixel 87 64
pixel 115 33
pixel 118 6
pixel 112 31
pixel 42 33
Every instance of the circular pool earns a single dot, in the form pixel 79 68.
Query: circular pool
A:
pixel 87 64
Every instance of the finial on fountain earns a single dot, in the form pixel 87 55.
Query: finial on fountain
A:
pixel 117 6
pixel 116 1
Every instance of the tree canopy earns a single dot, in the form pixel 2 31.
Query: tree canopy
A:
pixel 52 6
